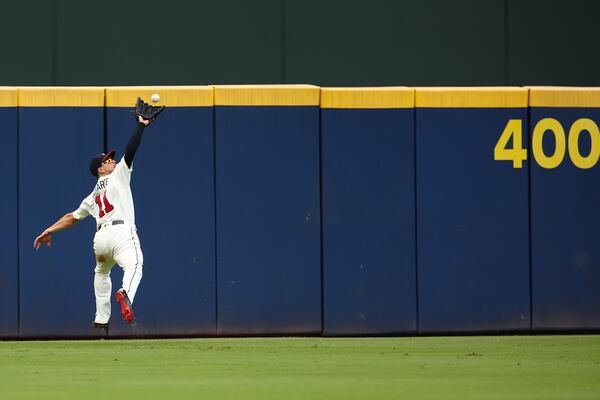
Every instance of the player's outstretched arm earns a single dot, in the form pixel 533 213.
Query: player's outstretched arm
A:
pixel 67 221
pixel 146 115
pixel 135 140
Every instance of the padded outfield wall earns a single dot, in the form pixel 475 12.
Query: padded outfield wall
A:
pixel 472 212
pixel 279 210
pixel 565 263
pixel 367 189
pixel 173 189
pixel 58 130
pixel 268 209
pixel 9 265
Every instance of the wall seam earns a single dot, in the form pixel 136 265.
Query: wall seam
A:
pixel 506 44
pixel 529 208
pixel 105 116
pixel 415 217
pixel 18 224
pixel 321 219
pixel 283 41
pixel 54 39
pixel 216 248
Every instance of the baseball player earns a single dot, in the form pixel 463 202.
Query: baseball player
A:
pixel 116 239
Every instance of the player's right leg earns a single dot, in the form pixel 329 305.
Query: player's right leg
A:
pixel 103 288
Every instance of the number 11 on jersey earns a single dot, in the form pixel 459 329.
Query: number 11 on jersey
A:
pixel 107 206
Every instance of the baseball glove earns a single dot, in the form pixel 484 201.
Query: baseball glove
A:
pixel 147 111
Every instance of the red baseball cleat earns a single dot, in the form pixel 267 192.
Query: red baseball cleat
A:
pixel 126 310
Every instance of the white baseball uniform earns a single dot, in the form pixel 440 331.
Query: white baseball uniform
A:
pixel 116 239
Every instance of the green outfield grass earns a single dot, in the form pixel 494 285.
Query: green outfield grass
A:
pixel 507 367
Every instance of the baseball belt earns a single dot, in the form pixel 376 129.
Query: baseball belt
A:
pixel 115 222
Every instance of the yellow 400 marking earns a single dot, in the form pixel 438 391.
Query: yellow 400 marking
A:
pixel 514 130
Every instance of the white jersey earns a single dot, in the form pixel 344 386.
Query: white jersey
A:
pixel 111 199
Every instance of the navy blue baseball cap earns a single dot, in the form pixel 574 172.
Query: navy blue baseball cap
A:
pixel 98 159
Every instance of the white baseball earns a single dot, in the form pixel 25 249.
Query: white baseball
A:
pixel 155 98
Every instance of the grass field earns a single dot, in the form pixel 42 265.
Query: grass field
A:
pixel 505 367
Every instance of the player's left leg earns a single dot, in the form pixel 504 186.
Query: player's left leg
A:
pixel 130 257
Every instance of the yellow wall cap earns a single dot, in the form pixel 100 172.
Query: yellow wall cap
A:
pixel 8 97
pixel 61 96
pixel 548 96
pixel 382 97
pixel 170 96
pixel 471 97
pixel 267 95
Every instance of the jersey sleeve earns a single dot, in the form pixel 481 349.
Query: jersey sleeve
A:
pixel 85 209
pixel 123 172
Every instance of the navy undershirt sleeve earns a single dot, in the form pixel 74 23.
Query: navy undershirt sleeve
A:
pixel 134 142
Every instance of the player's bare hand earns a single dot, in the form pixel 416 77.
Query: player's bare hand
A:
pixel 143 121
pixel 45 237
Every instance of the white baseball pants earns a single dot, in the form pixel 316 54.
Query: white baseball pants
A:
pixel 116 244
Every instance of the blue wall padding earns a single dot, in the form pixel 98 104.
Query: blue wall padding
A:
pixel 369 266
pixel 56 284
pixel 173 192
pixel 565 240
pixel 268 219
pixel 423 232
pixel 9 284
pixel 472 223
